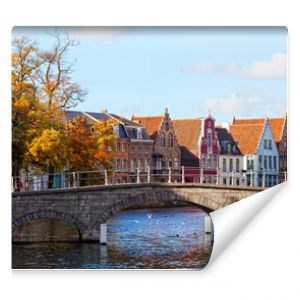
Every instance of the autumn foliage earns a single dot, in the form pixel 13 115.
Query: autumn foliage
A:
pixel 42 91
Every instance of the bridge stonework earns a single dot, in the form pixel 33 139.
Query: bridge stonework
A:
pixel 88 207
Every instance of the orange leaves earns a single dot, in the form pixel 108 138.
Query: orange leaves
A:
pixel 88 144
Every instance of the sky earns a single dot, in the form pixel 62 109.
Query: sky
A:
pixel 229 71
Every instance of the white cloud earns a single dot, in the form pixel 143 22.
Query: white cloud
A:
pixel 247 102
pixel 275 68
pixel 202 67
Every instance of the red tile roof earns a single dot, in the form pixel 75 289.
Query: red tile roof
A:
pixel 188 133
pixel 248 136
pixel 151 124
pixel 277 125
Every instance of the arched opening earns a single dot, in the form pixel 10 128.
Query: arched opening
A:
pixel 157 234
pixel 46 230
pixel 47 226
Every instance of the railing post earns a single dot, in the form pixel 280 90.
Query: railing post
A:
pixel 285 176
pixel 170 176
pixel 148 174
pixel 264 180
pixel 182 175
pixel 105 177
pixel 138 179
pixel 251 179
pixel 201 176
pixel 77 179
pixel 12 185
pixel 217 179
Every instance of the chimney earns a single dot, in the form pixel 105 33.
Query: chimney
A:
pixel 104 111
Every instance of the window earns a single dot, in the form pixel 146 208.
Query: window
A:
pixel 275 162
pixel 250 163
pixel 141 165
pixel 170 163
pixel 260 161
pixel 224 164
pixel 170 140
pixel 209 162
pixel 118 146
pixel 132 165
pixel 163 163
pixel 162 140
pixel 224 180
pixel 139 133
pixel 237 181
pixel 237 165
pixel 118 164
pixel 270 144
pixel 132 149
pixel 158 163
pixel 230 165
pixel 270 163
pixel 175 163
pixel 265 144
pixel 230 180
pixel 228 148
pixel 167 126
pixel 209 140
pixel 124 164
pixel 265 162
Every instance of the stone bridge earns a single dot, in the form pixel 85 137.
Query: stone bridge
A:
pixel 88 207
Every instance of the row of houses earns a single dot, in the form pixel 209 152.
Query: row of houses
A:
pixel 245 152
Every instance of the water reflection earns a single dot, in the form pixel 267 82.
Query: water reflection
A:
pixel 148 238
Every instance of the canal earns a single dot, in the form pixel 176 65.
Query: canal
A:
pixel 160 238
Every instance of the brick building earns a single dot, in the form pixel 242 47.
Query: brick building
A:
pixel 133 146
pixel 199 148
pixel 166 154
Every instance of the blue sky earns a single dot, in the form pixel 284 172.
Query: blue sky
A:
pixel 238 72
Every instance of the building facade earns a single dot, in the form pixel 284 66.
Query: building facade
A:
pixel 132 147
pixel 230 159
pixel 279 129
pixel 256 142
pixel 199 148
pixel 166 154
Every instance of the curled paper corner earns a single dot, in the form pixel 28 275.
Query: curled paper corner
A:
pixel 229 221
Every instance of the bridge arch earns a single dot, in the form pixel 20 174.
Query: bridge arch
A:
pixel 51 214
pixel 146 200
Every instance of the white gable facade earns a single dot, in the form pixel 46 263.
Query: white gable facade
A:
pixel 261 168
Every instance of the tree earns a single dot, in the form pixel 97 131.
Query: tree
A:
pixel 42 89
pixel 89 144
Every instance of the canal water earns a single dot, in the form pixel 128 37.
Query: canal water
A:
pixel 162 238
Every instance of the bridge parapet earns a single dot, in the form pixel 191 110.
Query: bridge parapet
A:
pixel 88 207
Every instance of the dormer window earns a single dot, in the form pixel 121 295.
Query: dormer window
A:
pixel 139 133
pixel 228 148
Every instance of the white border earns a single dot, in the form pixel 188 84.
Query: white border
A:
pixel 262 262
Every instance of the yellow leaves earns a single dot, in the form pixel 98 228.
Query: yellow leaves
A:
pixel 49 149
